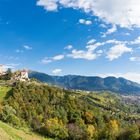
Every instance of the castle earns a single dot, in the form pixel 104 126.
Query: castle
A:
pixel 21 75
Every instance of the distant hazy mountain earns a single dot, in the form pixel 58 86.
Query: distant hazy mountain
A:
pixel 119 85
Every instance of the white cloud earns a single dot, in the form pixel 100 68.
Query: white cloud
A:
pixel 117 51
pixel 69 47
pixel 57 71
pixel 86 22
pixel 114 41
pixel 125 13
pixel 92 47
pixel 49 5
pixel 58 57
pixel 92 41
pixel 103 26
pixel 136 41
pixel 100 51
pixel 81 54
pixel 47 60
pixel 92 51
pixel 134 59
pixel 27 47
pixel 133 76
pixel 110 31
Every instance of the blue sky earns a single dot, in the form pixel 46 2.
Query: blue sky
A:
pixel 82 37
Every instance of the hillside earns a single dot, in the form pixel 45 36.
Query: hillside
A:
pixel 64 114
pixel 7 132
pixel 118 85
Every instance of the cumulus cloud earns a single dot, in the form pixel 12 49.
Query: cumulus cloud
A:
pixel 81 54
pixel 90 53
pixel 136 41
pixel 117 51
pixel 114 41
pixel 56 71
pixel 92 47
pixel 110 31
pixel 86 22
pixel 93 51
pixel 125 13
pixel 49 5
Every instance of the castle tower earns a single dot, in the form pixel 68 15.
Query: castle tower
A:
pixel 24 74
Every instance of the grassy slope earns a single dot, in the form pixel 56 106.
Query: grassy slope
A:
pixel 9 133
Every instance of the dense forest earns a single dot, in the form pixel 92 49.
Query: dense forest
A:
pixel 70 115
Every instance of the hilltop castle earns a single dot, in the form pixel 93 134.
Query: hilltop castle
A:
pixel 21 75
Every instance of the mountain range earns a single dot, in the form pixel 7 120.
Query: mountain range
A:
pixel 89 83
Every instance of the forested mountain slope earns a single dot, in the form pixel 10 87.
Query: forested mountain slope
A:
pixel 118 85
pixel 64 114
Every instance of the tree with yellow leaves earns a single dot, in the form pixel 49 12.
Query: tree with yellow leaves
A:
pixel 90 131
pixel 114 126
pixel 55 128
